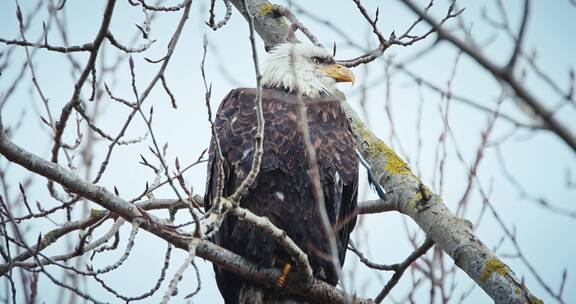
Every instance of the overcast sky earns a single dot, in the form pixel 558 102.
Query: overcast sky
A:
pixel 540 161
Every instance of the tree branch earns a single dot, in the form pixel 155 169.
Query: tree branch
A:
pixel 316 289
pixel 502 73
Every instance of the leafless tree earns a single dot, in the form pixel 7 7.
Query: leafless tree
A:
pixel 53 235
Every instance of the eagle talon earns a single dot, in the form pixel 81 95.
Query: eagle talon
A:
pixel 282 278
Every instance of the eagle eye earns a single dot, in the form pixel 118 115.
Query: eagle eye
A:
pixel 322 60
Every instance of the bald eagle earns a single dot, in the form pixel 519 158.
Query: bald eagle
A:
pixel 283 190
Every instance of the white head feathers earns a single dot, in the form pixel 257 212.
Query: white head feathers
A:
pixel 313 66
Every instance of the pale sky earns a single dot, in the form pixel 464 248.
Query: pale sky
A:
pixel 539 161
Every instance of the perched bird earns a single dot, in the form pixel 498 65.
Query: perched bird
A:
pixel 283 190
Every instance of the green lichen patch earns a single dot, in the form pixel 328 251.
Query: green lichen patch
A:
pixel 376 147
pixel 97 213
pixel 266 9
pixel 426 191
pixel 49 236
pixel 423 199
pixel 394 164
pixel 493 265
pixel 414 202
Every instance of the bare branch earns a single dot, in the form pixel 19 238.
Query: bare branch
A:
pixel 259 137
pixel 520 40
pixel 503 74
pixel 222 22
pixel 87 47
pixel 402 267
pixel 174 8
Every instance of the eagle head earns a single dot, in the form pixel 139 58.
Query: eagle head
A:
pixel 304 68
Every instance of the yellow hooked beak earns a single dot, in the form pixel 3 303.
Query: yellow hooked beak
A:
pixel 340 73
